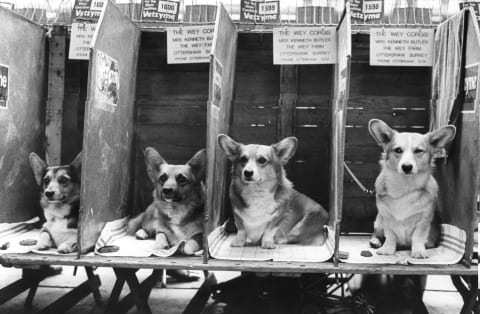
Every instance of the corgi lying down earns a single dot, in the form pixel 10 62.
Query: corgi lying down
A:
pixel 177 211
pixel 406 190
pixel 267 210
pixel 60 201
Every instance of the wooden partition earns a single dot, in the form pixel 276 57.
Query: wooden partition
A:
pixel 459 176
pixel 22 113
pixel 109 124
pixel 221 92
pixel 341 88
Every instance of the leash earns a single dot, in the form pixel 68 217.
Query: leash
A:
pixel 357 181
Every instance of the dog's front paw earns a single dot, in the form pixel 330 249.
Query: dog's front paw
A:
pixel 268 244
pixel 239 241
pixel 375 242
pixel 141 234
pixel 67 247
pixel 190 247
pixel 419 251
pixel 42 247
pixel 386 250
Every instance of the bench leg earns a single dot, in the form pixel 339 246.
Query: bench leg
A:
pixel 74 296
pixel 139 293
pixel 467 286
pixel 197 303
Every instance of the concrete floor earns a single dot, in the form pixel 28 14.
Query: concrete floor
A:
pixel 440 297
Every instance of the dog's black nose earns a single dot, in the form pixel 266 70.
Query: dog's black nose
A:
pixel 167 191
pixel 49 194
pixel 248 173
pixel 407 168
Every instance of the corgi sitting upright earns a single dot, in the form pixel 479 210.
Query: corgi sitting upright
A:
pixel 177 211
pixel 60 201
pixel 267 210
pixel 406 192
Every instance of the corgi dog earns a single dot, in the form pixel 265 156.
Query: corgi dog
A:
pixel 60 201
pixel 267 210
pixel 177 211
pixel 406 192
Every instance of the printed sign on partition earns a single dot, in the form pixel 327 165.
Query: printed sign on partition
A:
pixel 160 10
pixel 87 9
pixel 304 45
pixel 472 4
pixel 189 44
pixel 80 39
pixel 3 86
pixel 107 80
pixel 260 11
pixel 470 86
pixel 366 10
pixel 401 47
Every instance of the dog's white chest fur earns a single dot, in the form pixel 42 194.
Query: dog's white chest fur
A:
pixel 259 211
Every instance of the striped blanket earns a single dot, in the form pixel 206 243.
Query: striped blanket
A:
pixel 449 251
pixel 219 242
pixel 115 234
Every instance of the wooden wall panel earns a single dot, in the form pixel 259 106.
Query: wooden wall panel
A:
pixel 23 51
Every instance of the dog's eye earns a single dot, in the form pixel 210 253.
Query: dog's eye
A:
pixel 262 160
pixel 181 179
pixel 163 178
pixel 398 150
pixel 46 181
pixel 244 159
pixel 418 151
pixel 62 180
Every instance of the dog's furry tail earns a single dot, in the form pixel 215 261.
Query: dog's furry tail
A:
pixel 134 224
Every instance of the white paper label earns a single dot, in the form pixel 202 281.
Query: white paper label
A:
pixel 80 39
pixel 189 44
pixel 401 47
pixel 304 45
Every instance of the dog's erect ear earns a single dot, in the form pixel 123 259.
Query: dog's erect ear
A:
pixel 38 166
pixel 228 145
pixel 153 160
pixel 441 137
pixel 198 164
pixel 77 164
pixel 381 132
pixel 286 148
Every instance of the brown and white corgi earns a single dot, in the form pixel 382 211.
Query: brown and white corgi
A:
pixel 406 192
pixel 177 211
pixel 60 201
pixel 267 210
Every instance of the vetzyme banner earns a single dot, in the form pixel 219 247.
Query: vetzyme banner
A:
pixel 160 10
pixel 366 10
pixel 260 11
pixel 87 9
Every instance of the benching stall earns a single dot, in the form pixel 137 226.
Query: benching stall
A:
pixel 270 102
pixel 417 99
pixel 23 98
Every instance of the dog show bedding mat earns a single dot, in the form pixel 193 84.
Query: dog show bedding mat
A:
pixel 219 241
pixel 449 251
pixel 114 241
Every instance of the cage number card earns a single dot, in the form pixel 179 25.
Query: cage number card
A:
pixel 401 47
pixel 304 45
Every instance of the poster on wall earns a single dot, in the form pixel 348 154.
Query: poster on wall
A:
pixel 401 47
pixel 160 10
pixel 3 86
pixel 475 5
pixel 366 10
pixel 87 10
pixel 470 86
pixel 260 11
pixel 107 80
